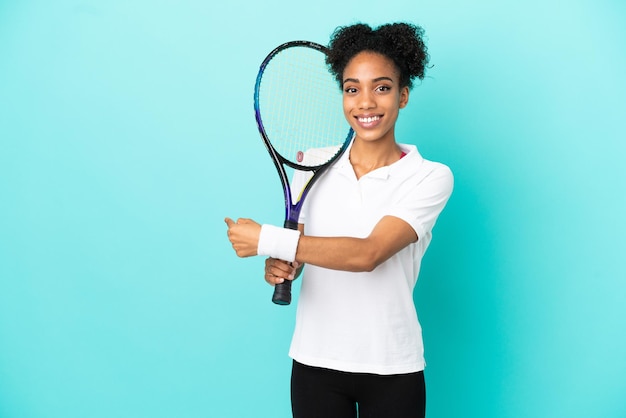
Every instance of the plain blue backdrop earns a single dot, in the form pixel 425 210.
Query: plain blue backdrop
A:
pixel 127 135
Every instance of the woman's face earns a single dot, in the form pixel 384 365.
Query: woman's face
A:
pixel 372 96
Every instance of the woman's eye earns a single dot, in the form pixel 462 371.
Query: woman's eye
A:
pixel 383 88
pixel 350 90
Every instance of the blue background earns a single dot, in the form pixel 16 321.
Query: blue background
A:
pixel 127 135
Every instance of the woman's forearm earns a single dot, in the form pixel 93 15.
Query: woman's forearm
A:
pixel 357 254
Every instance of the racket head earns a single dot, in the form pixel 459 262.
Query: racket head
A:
pixel 298 107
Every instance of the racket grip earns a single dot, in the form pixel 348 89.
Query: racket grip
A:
pixel 282 291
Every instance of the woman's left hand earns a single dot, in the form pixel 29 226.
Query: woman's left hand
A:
pixel 244 236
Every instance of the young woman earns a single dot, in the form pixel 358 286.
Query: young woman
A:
pixel 364 228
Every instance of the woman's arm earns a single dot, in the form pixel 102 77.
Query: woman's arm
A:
pixel 390 235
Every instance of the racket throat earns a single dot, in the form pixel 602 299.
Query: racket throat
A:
pixel 290 224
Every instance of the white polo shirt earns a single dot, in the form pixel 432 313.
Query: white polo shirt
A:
pixel 366 321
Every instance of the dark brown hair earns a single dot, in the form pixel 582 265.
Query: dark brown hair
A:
pixel 401 42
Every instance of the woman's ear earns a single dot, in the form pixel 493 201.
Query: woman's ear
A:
pixel 404 97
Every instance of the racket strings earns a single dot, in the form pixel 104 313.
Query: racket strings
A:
pixel 301 107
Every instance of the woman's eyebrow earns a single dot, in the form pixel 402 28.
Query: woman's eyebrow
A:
pixel 376 80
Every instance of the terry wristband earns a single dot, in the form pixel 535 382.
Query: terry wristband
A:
pixel 277 242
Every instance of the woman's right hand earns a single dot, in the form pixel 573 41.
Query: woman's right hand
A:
pixel 277 271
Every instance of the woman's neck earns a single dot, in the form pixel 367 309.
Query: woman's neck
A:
pixel 369 156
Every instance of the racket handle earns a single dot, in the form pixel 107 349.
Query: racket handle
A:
pixel 282 291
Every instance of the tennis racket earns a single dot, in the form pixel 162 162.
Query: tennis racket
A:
pixel 298 109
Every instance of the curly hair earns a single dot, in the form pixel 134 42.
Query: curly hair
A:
pixel 401 42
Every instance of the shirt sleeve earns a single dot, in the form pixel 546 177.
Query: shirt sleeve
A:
pixel 424 198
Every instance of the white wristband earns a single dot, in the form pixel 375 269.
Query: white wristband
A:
pixel 280 243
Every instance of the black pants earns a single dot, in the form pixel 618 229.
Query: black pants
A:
pixel 324 393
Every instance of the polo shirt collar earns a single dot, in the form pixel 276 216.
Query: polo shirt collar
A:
pixel 412 159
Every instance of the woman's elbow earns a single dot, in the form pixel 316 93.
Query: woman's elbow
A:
pixel 362 267
pixel 367 262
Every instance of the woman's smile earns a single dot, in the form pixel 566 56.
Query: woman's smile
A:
pixel 369 122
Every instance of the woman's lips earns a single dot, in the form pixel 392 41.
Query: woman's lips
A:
pixel 368 121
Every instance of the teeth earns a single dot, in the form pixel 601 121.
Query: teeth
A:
pixel 369 119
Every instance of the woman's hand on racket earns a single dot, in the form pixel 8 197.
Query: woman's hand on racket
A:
pixel 277 271
pixel 244 236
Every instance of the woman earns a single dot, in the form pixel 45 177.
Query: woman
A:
pixel 364 228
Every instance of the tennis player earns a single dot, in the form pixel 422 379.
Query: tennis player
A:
pixel 357 347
